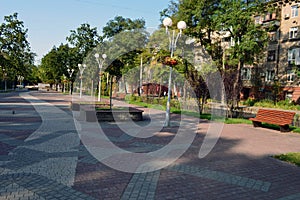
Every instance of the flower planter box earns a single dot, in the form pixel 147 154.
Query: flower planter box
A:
pixel 89 114
pixel 77 106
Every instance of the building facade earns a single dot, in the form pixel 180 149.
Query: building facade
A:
pixel 277 75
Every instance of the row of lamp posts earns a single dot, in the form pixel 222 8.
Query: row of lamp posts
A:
pixel 81 68
pixel 167 22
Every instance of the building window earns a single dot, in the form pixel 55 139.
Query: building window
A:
pixel 290 76
pixel 271 55
pixel 293 32
pixel 294 11
pixel 270 74
pixel 246 73
pixel 272 36
pixel 294 56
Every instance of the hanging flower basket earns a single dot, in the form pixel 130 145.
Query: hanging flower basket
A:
pixel 170 61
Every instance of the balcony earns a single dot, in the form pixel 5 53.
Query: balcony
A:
pixel 271 25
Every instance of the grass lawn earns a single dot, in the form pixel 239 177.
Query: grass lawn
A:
pixel 208 116
pixel 293 158
pixel 295 129
pixel 237 121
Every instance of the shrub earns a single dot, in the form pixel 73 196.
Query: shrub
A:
pixel 265 103
pixel 249 102
pixel 138 99
pixel 284 103
pixel 132 98
pixel 175 103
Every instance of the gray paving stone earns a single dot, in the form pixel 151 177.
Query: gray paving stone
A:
pixel 291 197
pixel 141 186
pixel 223 177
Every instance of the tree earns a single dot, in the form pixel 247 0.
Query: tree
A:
pixel 33 75
pixel 84 39
pixel 126 39
pixel 249 39
pixel 55 63
pixel 120 24
pixel 15 54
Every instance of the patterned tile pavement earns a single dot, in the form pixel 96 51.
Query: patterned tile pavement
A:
pixel 42 157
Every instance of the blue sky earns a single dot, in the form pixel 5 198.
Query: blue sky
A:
pixel 49 21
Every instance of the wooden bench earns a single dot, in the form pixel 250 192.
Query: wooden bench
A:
pixel 281 118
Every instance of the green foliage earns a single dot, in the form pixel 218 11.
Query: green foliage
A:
pixel 120 24
pixel 123 51
pixel 249 102
pixel 293 158
pixel 265 103
pixel 33 75
pixel 237 121
pixel 295 129
pixel 232 20
pixel 84 39
pixel 54 64
pixel 15 53
pixel 284 104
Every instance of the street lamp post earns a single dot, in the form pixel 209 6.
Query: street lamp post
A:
pixel 100 63
pixel 64 82
pixel 70 71
pixel 81 70
pixel 167 22
pixel 141 76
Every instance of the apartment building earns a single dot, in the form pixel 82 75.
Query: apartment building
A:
pixel 278 74
pixel 289 54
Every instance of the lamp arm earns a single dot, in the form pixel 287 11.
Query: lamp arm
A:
pixel 177 37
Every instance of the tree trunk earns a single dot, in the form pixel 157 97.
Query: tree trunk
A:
pixel 236 86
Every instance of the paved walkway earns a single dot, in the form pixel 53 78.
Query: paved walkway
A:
pixel 42 157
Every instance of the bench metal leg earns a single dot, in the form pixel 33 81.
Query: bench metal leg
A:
pixel 256 124
pixel 284 128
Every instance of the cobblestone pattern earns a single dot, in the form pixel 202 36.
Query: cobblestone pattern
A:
pixel 85 157
pixel 43 165
pixel 14 191
pixel 223 177
pixel 291 197
pixel 10 140
pixel 32 186
pixel 18 119
pixel 52 145
pixel 142 186
pixel 100 181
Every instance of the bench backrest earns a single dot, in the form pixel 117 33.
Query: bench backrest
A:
pixel 276 116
